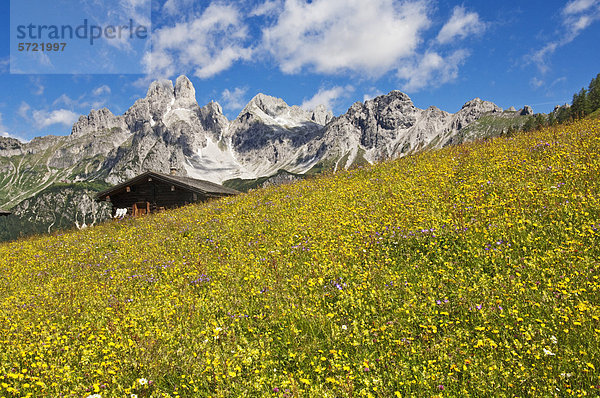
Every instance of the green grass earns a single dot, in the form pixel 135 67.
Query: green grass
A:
pixel 471 271
pixel 491 125
pixel 244 185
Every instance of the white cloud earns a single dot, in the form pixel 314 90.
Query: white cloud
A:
pixel 4 64
pixel 322 36
pixel 578 6
pixel 84 103
pixel 432 69
pixel 205 45
pixel 235 99
pixel 104 89
pixel 37 83
pixel 327 97
pixel 577 16
pixel 6 134
pixel 536 83
pixel 174 7
pixel 270 7
pixel 373 93
pixel 64 99
pixel 16 137
pixel 24 110
pixel 138 10
pixel 60 116
pixel 460 25
pixel 2 128
pixel 333 36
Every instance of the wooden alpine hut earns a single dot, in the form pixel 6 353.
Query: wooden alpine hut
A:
pixel 152 192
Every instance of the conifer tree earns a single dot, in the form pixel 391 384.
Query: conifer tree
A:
pixel 529 124
pixel 580 106
pixel 594 93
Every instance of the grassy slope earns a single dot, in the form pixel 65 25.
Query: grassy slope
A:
pixel 243 185
pixel 28 174
pixel 469 271
pixel 491 125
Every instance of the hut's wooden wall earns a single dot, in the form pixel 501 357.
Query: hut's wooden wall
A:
pixel 159 194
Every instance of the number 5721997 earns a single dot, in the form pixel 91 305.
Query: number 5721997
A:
pixel 44 47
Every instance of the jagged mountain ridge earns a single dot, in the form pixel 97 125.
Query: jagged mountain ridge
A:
pixel 168 129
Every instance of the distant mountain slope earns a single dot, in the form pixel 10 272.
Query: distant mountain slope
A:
pixel 168 129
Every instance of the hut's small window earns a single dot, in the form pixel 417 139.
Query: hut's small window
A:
pixel 172 187
pixel 195 196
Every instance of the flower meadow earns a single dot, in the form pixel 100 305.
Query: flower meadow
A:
pixel 469 271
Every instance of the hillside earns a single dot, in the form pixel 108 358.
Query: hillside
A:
pixel 468 271
pixel 268 142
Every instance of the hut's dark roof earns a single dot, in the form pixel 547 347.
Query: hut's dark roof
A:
pixel 5 213
pixel 191 184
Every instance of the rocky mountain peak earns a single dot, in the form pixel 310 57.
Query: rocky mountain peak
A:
pixel 184 88
pixel 390 112
pixel 160 88
pixel 321 115
pixel 262 103
pixel 97 120
pixel 481 105
pixel 395 95
pixel 526 111
pixel 435 111
pixel 10 146
pixel 472 111
pixel 213 107
pixel 478 107
pixel 212 119
pixel 273 111
pixel 395 100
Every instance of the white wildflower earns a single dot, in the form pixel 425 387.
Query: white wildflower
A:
pixel 548 352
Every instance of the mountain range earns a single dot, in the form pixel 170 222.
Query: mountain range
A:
pixel 269 142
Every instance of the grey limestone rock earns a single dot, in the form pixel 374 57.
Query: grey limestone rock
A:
pixel 10 146
pixel 526 111
pixel 167 129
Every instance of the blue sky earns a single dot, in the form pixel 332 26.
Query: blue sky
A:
pixel 336 52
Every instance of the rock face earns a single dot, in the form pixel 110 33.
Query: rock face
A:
pixel 526 111
pixel 97 120
pixel 391 126
pixel 63 208
pixel 10 146
pixel 168 129
pixel 269 135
